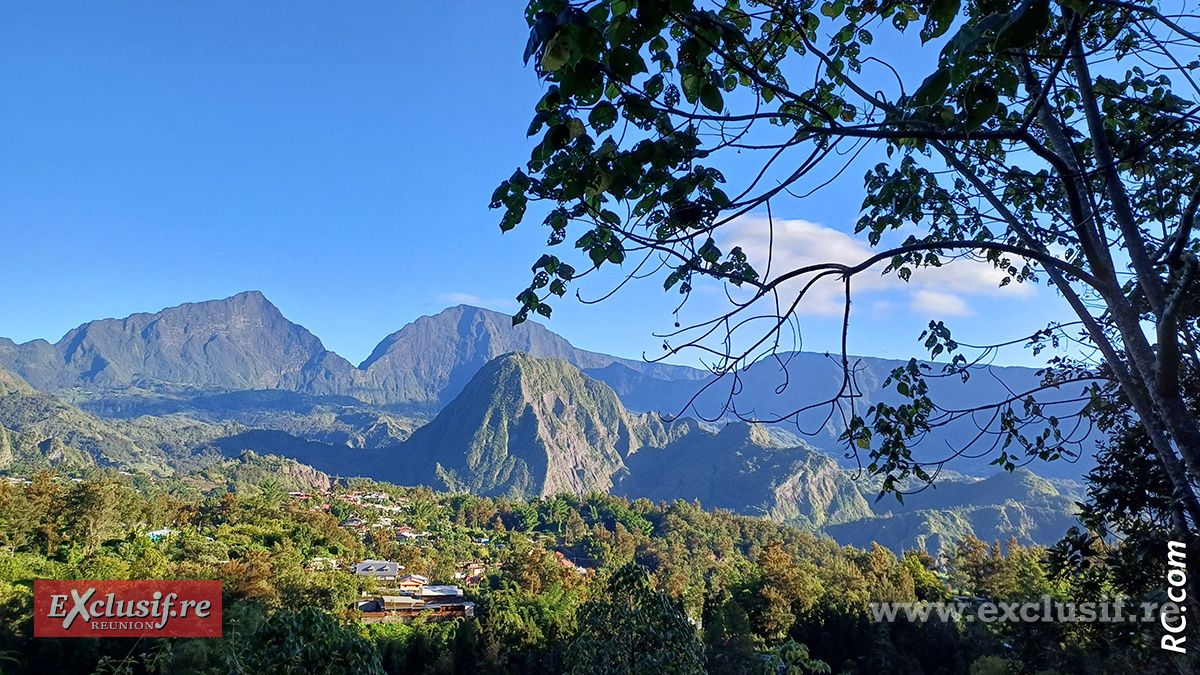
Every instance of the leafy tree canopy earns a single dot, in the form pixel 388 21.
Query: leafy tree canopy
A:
pixel 1055 141
pixel 634 630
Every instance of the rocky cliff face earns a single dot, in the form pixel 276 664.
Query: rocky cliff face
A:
pixel 539 427
pixel 429 361
pixel 242 342
pixel 529 426
pixel 745 469
pixel 6 449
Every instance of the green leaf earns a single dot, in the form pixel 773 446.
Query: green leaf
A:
pixel 597 254
pixel 538 120
pixel 710 97
pixel 939 19
pixel 933 88
pixel 692 81
pixel 980 105
pixel 833 9
pixel 557 52
pixel 1028 21
pixel 968 38
pixel 603 116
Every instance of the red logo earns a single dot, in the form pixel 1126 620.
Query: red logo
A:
pixel 126 608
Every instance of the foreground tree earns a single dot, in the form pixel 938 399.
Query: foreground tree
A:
pixel 1055 141
pixel 308 641
pixel 634 630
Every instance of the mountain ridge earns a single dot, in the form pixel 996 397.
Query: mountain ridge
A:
pixel 245 342
pixel 184 356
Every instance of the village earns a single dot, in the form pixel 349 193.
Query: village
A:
pixel 391 593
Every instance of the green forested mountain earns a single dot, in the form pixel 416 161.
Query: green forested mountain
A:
pixel 742 468
pixel 1018 504
pixel 528 426
pixel 43 431
pixel 538 427
pixel 242 342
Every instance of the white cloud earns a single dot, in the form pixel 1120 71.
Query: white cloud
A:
pixel 942 291
pixel 939 304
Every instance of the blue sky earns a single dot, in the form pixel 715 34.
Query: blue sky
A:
pixel 339 159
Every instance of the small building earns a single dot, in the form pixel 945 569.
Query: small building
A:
pixel 322 564
pixel 389 603
pixel 352 522
pixel 415 598
pixel 405 609
pixel 471 569
pixel 441 592
pixel 159 535
pixel 380 570
pixel 412 583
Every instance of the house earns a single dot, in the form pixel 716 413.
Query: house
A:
pixel 412 583
pixel 410 534
pixel 472 569
pixel 441 592
pixel 159 535
pixel 322 564
pixel 352 522
pixel 380 570
pixel 482 541
pixel 405 609
pixel 415 598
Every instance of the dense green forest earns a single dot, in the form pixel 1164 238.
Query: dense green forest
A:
pixel 685 589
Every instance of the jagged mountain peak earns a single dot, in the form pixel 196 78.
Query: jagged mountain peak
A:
pixel 240 342
pixel 429 361
pixel 530 426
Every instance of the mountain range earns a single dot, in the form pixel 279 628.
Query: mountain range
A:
pixel 464 400
pixel 245 343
